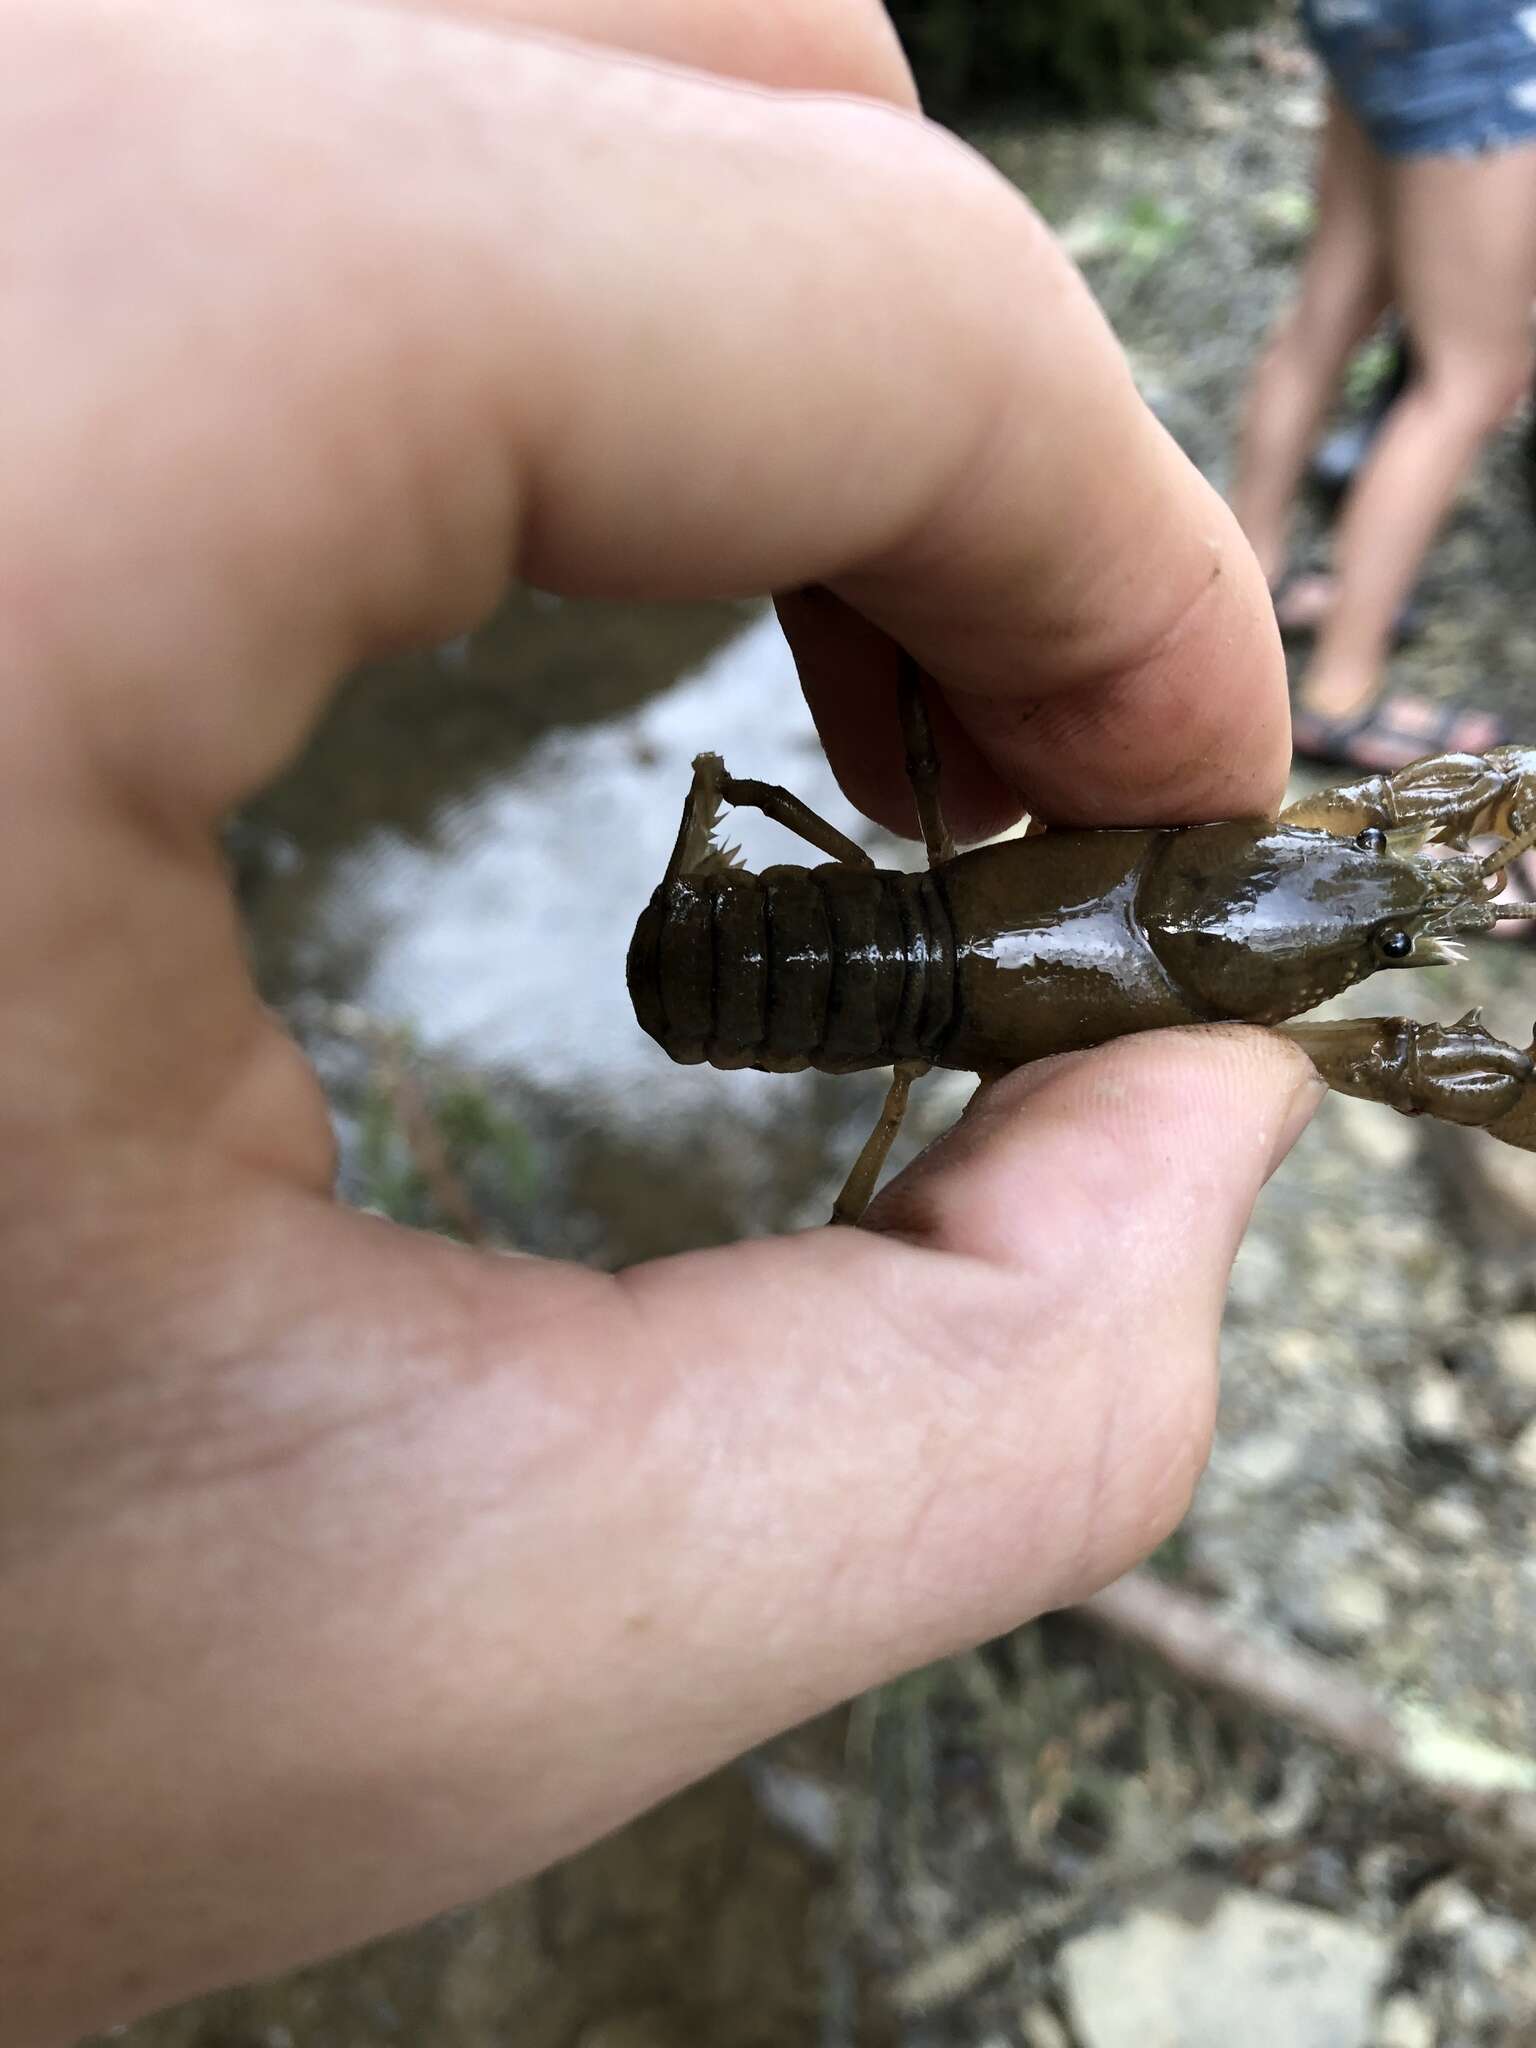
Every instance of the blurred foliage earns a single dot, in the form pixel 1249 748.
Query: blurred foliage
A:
pixel 1282 221
pixel 1370 367
pixel 1093 56
pixel 487 1162
pixel 1137 234
pixel 482 1138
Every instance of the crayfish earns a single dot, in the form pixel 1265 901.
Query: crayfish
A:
pixel 1026 947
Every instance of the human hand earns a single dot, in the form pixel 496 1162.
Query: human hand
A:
pixel 345 1573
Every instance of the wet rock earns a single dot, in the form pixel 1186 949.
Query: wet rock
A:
pixel 1403 1571
pixel 1213 113
pixel 1368 1421
pixel 1522 1455
pixel 1445 1909
pixel 1491 1989
pixel 1379 1140
pixel 1436 1407
pixel 1382 1870
pixel 1331 1594
pixel 1264 1461
pixel 1514 1352
pixel 1300 110
pixel 1320 1876
pixel 1199 1966
pixel 1405 2022
pixel 1335 1279
pixel 808 1809
pixel 1040 2028
pixel 1497 1945
pixel 1343 1614
pixel 1258 1274
pixel 1450 1524
pixel 1298 1352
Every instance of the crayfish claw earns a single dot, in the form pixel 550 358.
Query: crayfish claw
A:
pixel 1446 799
pixel 1458 1073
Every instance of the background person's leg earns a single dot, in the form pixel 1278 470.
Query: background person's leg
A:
pixel 1463 250
pixel 1343 294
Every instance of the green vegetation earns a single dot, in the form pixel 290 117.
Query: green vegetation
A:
pixel 1093 56
pixel 1137 234
pixel 434 1150
pixel 1369 368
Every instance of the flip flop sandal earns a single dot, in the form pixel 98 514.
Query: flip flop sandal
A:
pixel 1389 735
pixel 1393 731
pixel 1326 741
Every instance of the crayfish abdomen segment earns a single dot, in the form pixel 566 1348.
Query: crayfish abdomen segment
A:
pixel 837 968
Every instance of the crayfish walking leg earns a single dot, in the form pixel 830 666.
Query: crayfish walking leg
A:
pixel 714 786
pixel 859 1187
pixel 922 764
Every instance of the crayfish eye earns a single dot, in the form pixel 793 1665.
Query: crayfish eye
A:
pixel 1393 943
pixel 1371 840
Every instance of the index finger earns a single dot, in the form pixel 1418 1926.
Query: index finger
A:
pixel 913 392
pixel 1146 682
pixel 619 329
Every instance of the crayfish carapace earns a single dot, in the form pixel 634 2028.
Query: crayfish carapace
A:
pixel 1046 944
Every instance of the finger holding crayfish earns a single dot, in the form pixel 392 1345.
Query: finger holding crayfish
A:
pixel 1014 951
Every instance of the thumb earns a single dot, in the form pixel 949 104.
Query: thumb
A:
pixel 999 1394
pixel 466 1559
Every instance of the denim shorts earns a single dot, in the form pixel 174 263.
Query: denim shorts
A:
pixel 1431 77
